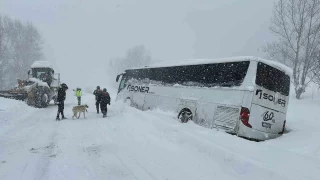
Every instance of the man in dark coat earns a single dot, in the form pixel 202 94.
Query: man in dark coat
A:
pixel 97 93
pixel 105 99
pixel 60 100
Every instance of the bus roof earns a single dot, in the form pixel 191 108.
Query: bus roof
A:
pixel 280 66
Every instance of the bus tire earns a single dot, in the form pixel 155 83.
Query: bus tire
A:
pixel 185 115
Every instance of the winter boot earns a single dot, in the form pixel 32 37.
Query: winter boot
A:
pixel 63 116
pixel 58 118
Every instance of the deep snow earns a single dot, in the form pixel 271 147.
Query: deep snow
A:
pixel 131 144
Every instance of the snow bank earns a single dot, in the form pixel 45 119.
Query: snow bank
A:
pixel 9 104
pixel 10 110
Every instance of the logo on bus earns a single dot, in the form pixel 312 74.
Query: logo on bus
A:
pixel 270 97
pixel 142 89
pixel 268 116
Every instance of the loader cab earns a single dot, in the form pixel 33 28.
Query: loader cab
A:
pixel 44 74
pixel 43 71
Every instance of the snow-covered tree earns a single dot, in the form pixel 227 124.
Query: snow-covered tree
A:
pixel 296 23
pixel 20 46
pixel 137 56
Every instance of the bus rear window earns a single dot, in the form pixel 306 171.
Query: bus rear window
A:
pixel 272 79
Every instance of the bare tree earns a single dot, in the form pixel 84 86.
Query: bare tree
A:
pixel 27 48
pixel 297 25
pixel 1 51
pixel 4 47
pixel 116 65
pixel 137 56
pixel 20 46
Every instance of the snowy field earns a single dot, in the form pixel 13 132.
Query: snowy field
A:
pixel 130 144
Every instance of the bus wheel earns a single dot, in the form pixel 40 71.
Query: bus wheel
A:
pixel 185 115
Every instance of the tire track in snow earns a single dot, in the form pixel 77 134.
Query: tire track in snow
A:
pixel 128 165
pixel 44 162
pixel 24 169
pixel 65 135
pixel 33 133
pixel 87 155
pixel 45 159
pixel 144 169
pixel 120 160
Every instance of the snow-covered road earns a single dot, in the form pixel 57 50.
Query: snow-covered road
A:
pixel 131 144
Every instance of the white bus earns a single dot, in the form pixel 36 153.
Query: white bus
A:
pixel 246 96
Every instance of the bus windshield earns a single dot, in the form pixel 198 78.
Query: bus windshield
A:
pixel 123 82
pixel 272 79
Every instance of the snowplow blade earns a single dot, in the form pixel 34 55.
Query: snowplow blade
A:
pixel 14 95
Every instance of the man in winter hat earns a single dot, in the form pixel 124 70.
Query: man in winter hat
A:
pixel 105 99
pixel 60 100
pixel 97 94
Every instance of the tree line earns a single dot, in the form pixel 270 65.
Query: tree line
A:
pixel 20 45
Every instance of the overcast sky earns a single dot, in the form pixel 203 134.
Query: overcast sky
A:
pixel 87 33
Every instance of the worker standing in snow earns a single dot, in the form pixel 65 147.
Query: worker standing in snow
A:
pixel 105 99
pixel 78 94
pixel 97 93
pixel 60 100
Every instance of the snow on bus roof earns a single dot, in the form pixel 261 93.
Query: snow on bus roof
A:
pixel 280 66
pixel 41 64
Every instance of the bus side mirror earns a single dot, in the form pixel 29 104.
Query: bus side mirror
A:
pixel 29 72
pixel 117 79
